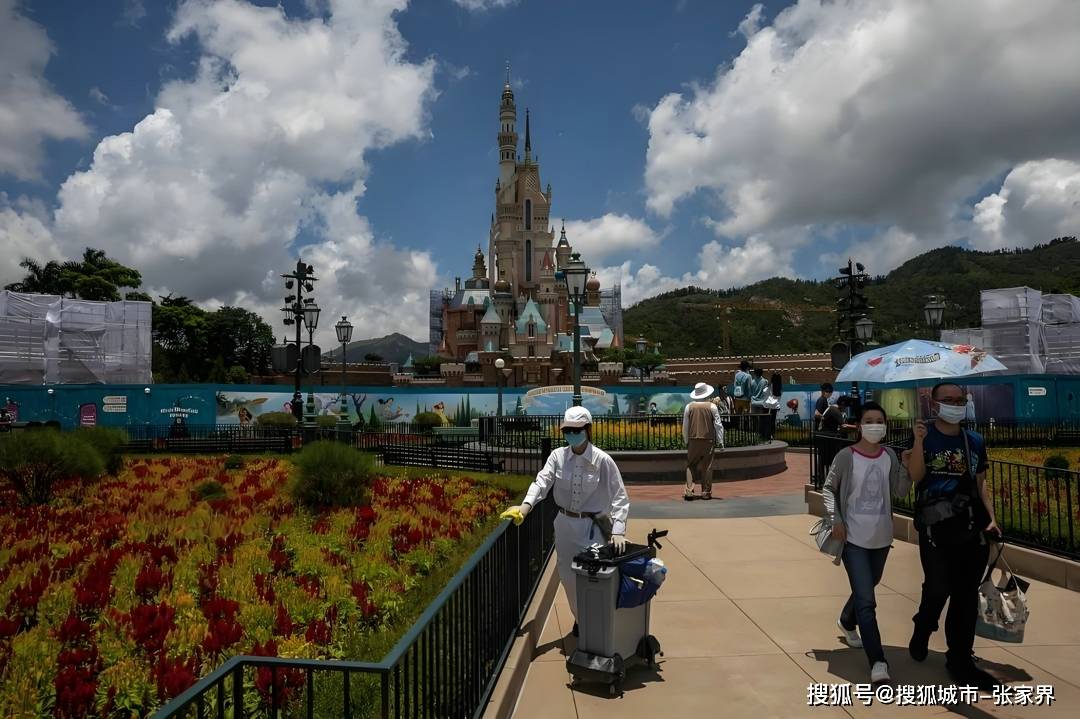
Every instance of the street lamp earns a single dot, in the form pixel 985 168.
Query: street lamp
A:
pixel 576 272
pixel 503 373
pixel 641 345
pixel 933 311
pixel 864 329
pixel 311 319
pixel 295 309
pixel 344 335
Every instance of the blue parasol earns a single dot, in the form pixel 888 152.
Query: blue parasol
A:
pixel 917 360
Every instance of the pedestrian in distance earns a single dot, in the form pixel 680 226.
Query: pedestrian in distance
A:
pixel 743 388
pixel 822 404
pixel 771 406
pixel 723 402
pixel 858 496
pixel 954 516
pixel 589 492
pixel 702 431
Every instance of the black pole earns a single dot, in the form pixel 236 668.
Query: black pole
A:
pixel 577 350
pixel 297 317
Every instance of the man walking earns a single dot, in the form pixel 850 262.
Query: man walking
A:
pixel 822 404
pixel 953 510
pixel 702 431
pixel 743 388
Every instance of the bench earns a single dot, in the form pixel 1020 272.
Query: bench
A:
pixel 440 457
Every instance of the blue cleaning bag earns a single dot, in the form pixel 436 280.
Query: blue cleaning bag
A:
pixel 634 588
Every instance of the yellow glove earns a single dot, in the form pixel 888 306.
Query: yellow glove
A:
pixel 516 513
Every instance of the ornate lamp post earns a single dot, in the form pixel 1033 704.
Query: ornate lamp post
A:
pixel 311 319
pixel 302 277
pixel 576 274
pixel 864 331
pixel 344 336
pixel 934 311
pixel 641 345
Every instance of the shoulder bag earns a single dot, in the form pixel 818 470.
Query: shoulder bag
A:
pixel 950 521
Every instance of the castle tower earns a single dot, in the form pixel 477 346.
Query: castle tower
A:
pixel 507 133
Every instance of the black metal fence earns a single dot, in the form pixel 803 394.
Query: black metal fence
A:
pixel 997 434
pixel 446 665
pixel 1037 507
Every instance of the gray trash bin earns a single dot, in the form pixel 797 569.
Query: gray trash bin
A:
pixel 610 638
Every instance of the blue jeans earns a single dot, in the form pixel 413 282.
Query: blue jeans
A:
pixel 864 569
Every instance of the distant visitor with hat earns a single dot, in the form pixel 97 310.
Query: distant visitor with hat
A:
pixel 702 431
pixel 589 492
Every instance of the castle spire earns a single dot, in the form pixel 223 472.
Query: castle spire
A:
pixel 507 132
pixel 528 140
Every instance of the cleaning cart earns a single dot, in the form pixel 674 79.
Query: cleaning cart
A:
pixel 614 593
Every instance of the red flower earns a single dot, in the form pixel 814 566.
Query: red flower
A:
pixel 8 627
pixel 283 623
pixel 150 624
pixel 318 632
pixel 173 676
pixel 264 587
pixel 73 630
pixel 284 681
pixel 24 599
pixel 1041 508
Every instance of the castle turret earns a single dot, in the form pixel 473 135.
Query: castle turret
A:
pixel 507 132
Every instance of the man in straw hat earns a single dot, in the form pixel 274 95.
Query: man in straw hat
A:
pixel 702 431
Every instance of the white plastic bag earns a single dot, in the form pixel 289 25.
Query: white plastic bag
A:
pixel 1003 610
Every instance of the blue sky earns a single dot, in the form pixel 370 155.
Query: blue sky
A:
pixel 714 143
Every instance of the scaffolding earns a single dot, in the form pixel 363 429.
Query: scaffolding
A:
pixel 47 339
pixel 611 309
pixel 436 300
pixel 1031 333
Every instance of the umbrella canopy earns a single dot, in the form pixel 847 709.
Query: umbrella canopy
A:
pixel 918 359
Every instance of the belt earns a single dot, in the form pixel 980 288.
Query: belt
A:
pixel 577 515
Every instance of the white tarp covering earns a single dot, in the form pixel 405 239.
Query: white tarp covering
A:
pixel 1011 304
pixel 46 339
pixel 1060 309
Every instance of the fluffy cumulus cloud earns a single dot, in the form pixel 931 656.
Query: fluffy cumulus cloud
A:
pixel 878 113
pixel 1037 201
pixel 24 232
pixel 31 113
pixel 263 147
pixel 610 234
pixel 720 266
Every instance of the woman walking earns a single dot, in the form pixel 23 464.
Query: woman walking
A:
pixel 858 500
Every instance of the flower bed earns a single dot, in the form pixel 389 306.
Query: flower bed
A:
pixel 114 605
pixel 1035 456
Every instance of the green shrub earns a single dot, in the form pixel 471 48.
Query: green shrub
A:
pixel 108 441
pixel 331 474
pixel 234 461
pixel 34 462
pixel 210 489
pixel 428 420
pixel 1056 462
pixel 326 421
pixel 276 419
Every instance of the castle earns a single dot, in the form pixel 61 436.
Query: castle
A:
pixel 516 304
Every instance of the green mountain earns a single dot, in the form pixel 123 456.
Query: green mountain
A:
pixel 392 348
pixel 789 316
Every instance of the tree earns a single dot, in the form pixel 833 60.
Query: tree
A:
pixel 218 375
pixel 428 365
pixel 94 277
pixel 180 338
pixel 238 375
pixel 241 338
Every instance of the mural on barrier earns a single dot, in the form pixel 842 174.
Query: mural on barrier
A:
pixel 1004 399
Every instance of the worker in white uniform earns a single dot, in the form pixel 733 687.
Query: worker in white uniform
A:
pixel 588 489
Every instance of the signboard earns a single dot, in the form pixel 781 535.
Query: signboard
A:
pixel 88 415
pixel 114 403
pixel 1036 391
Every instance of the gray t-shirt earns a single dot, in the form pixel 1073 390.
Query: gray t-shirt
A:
pixel 868 521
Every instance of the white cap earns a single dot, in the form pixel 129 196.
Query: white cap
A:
pixel 701 391
pixel 575 418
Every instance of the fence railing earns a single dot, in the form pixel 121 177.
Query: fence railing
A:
pixel 996 434
pixel 1037 507
pixel 446 665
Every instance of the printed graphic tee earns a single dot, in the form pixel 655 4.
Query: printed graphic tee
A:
pixel 868 519
pixel 944 455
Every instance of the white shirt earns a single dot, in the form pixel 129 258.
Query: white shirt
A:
pixel 868 521
pixel 589 482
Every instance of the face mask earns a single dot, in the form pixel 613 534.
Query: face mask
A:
pixel 951 414
pixel 576 439
pixel 873 432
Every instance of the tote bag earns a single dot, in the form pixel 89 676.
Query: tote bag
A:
pixel 1003 610
pixel 826 543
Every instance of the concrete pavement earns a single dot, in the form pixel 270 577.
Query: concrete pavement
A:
pixel 747 622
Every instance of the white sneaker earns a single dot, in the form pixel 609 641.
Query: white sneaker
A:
pixel 851 636
pixel 879 673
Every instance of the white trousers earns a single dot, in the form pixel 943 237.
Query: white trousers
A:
pixel 572 535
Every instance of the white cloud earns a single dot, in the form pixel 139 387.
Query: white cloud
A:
pixel 1037 202
pixel 871 112
pixel 484 5
pixel 882 252
pixel 98 96
pixel 610 234
pixel 266 143
pixel 750 24
pixel 720 267
pixel 133 13
pixel 31 113
pixel 24 232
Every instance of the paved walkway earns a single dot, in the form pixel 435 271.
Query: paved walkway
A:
pixel 747 621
